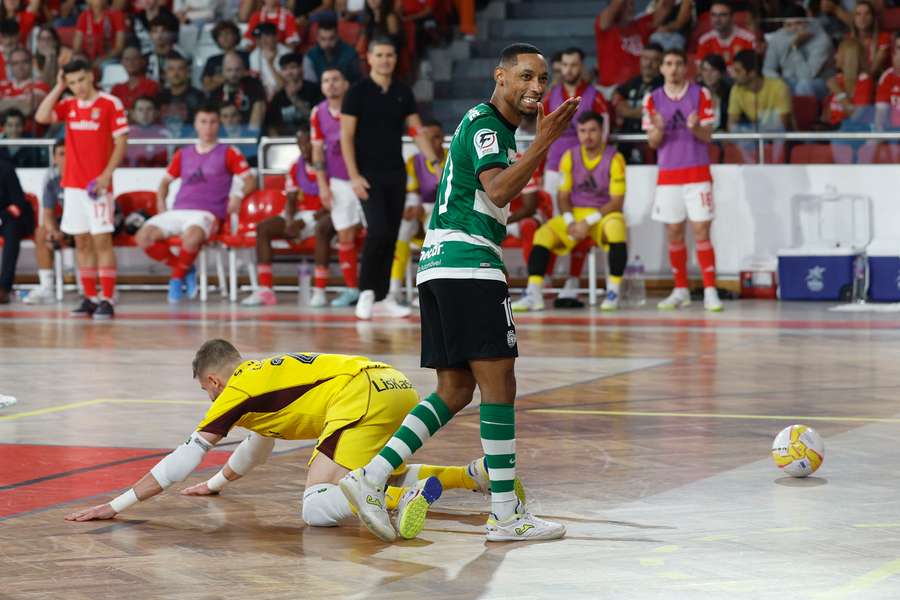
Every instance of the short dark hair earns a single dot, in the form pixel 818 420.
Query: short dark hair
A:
pixel 556 57
pixel 75 65
pixel 748 59
pixel 9 27
pixel 208 106
pixel 333 68
pixel 509 56
pixel 381 40
pixel 655 46
pixel 214 354
pixel 291 58
pixel 716 62
pixel 225 26
pixel 794 11
pixel 432 122
pixel 149 99
pixel 328 25
pixel 163 20
pixel 265 28
pixel 13 112
pixel 175 56
pixel 676 52
pixel 573 50
pixel 590 116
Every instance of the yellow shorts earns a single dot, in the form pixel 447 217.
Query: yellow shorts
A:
pixel 559 228
pixel 387 396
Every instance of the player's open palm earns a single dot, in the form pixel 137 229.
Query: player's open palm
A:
pixel 199 489
pixel 550 127
pixel 95 513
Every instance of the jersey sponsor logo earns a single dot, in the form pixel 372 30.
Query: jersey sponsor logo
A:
pixel 95 114
pixel 486 142
pixel 307 358
pixel 84 126
pixel 430 253
pixel 389 383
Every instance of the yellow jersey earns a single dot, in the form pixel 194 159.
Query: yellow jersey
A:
pixel 290 396
pixel 616 170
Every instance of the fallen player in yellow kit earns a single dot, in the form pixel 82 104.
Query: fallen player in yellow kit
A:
pixel 351 405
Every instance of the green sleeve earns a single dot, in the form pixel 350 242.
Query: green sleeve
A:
pixel 484 140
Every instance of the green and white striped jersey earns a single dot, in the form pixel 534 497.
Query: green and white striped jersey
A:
pixel 466 228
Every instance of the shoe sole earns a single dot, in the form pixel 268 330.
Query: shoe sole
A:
pixel 371 525
pixel 412 521
pixel 496 536
pixel 97 317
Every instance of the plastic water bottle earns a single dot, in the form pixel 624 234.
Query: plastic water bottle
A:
pixel 638 291
pixel 304 280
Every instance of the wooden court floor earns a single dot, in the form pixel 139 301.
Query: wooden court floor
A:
pixel 647 434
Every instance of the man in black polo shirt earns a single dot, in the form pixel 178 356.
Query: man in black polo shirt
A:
pixel 628 101
pixel 241 90
pixel 376 112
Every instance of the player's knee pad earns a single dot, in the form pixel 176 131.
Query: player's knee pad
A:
pixel 324 505
pixel 545 237
pixel 614 229
pixel 408 228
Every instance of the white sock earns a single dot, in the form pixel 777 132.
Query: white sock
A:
pixel 613 286
pixel 45 276
pixel 324 505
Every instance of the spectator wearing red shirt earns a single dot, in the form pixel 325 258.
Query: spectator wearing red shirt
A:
pixel 99 33
pixel 865 29
pixel 9 41
pixel 27 18
pixel 621 37
pixel 851 89
pixel 725 38
pixel 21 91
pixel 138 84
pixel 887 96
pixel 273 12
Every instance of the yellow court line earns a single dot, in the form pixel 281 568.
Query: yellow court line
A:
pixel 50 409
pixel 690 415
pixel 863 582
pixel 73 405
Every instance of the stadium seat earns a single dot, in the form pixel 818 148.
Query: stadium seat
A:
pixel 821 154
pixel 128 203
pixel 349 31
pixel 879 154
pixel 740 154
pixel 715 153
pixel 257 207
pixel 274 181
pixel 806 112
pixel 113 74
pixel 280 156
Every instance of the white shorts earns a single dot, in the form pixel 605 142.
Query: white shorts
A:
pixel 346 210
pixel 177 221
pixel 83 215
pixel 675 203
pixel 308 218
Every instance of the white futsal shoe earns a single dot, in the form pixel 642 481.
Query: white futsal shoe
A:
pixel 262 296
pixel 531 300
pixel 523 527
pixel 368 501
pixel 610 302
pixel 679 298
pixel 390 308
pixel 40 295
pixel 711 301
pixel 6 401
pixel 570 288
pixel 477 471
pixel 413 507
pixel 318 299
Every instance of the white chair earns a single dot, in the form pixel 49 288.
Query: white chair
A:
pixel 113 74
pixel 281 157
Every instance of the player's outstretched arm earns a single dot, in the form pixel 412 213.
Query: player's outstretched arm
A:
pixel 502 185
pixel 252 452
pixel 174 467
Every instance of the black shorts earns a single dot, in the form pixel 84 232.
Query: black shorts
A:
pixel 463 320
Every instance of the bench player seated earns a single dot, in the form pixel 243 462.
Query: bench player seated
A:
pixel 422 181
pixel 203 201
pixel 297 223
pixel 591 197
pixel 47 235
pixel 350 404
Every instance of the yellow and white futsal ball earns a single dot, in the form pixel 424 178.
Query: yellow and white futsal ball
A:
pixel 798 450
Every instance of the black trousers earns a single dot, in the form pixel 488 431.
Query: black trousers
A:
pixel 384 213
pixel 13 230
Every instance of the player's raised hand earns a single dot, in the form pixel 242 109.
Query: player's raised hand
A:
pixel 199 489
pixel 96 513
pixel 61 79
pixel 550 127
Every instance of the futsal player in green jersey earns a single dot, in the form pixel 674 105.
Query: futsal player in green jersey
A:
pixel 468 333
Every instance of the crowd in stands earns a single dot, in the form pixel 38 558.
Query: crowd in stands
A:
pixel 770 66
pixel 261 60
